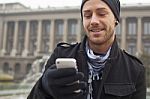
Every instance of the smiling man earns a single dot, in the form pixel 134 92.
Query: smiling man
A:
pixel 104 70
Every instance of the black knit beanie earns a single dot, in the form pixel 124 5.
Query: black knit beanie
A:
pixel 113 4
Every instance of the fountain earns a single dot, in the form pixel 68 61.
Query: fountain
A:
pixel 26 85
pixel 36 71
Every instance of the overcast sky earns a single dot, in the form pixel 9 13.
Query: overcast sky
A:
pixel 60 3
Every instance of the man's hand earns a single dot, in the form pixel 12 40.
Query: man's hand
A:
pixel 64 83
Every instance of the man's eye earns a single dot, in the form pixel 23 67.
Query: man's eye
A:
pixel 102 14
pixel 87 15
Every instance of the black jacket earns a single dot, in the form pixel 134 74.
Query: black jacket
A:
pixel 123 76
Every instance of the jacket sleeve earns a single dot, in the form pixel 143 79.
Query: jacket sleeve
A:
pixel 140 86
pixel 37 92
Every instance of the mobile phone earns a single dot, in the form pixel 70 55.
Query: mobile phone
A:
pixel 66 63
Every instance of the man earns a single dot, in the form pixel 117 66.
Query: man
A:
pixel 104 70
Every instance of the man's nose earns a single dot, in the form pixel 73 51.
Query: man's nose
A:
pixel 94 20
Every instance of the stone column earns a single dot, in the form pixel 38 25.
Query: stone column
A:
pixel 39 37
pixel 79 31
pixel 123 34
pixel 1 33
pixel 26 43
pixel 3 51
pixel 139 37
pixel 15 40
pixel 65 30
pixel 52 36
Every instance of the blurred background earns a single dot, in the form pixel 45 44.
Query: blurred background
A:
pixel 31 29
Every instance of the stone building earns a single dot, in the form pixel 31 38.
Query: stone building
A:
pixel 27 34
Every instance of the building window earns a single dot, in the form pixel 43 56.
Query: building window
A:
pixel 17 68
pixel 72 27
pixel 33 37
pixel 6 67
pixel 10 36
pixel 33 28
pixel 45 36
pixel 147 48
pixel 131 26
pixel 147 28
pixel 28 68
pixel 59 27
pixel 21 36
pixel 46 28
pixel 132 48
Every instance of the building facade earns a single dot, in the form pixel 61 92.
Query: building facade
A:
pixel 28 34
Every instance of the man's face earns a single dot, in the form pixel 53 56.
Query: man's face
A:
pixel 98 22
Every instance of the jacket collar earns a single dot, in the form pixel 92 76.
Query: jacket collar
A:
pixel 114 50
